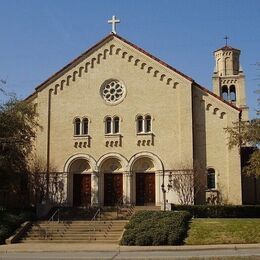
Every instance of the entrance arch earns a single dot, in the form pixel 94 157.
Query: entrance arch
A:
pixel 111 168
pixel 81 183
pixel 146 169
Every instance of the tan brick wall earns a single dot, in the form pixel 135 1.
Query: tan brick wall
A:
pixel 151 89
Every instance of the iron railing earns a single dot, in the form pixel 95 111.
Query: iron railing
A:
pixel 51 220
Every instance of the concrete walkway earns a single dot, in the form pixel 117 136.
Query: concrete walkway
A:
pixel 65 247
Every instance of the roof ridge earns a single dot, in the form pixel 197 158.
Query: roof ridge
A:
pixel 49 80
pixel 153 57
pixel 227 47
pixel 74 60
pixel 111 35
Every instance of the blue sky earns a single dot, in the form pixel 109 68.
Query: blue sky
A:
pixel 40 37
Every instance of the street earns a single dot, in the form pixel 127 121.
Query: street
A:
pixel 253 253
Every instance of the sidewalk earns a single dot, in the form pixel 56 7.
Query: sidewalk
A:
pixel 65 247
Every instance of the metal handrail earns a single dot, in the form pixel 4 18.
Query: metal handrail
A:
pixel 51 219
pixel 98 213
pixel 119 204
pixel 57 211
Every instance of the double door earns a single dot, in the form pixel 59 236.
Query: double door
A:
pixel 81 190
pixel 145 188
pixel 113 188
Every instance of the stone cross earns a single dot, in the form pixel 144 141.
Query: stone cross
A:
pixel 114 21
pixel 226 38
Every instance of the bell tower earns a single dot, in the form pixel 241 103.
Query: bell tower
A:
pixel 229 79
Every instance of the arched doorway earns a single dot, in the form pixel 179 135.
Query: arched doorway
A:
pixel 111 169
pixel 144 171
pixel 80 181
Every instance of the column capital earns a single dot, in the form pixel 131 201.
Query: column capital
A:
pixel 95 173
pixel 159 173
pixel 127 174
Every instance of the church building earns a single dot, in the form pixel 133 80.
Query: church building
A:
pixel 121 124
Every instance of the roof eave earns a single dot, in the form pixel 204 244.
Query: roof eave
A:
pixel 216 96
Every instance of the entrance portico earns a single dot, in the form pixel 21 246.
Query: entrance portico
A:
pixel 146 170
pixel 113 178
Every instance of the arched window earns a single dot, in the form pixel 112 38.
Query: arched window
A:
pixel 139 124
pixel 108 126
pixel 148 124
pixel 85 126
pixel 224 92
pixel 227 65
pixel 232 91
pixel 211 179
pixel 116 125
pixel 76 126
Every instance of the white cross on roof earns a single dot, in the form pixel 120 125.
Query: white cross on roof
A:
pixel 113 21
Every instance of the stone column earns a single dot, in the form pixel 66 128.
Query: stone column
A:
pixel 127 187
pixel 95 192
pixel 158 188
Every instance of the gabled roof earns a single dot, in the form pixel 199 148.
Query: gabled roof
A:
pixel 227 48
pixel 104 40
pixel 108 38
pixel 73 62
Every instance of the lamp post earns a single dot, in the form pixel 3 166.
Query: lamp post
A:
pixel 163 191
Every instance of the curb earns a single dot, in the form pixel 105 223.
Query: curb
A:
pixel 47 247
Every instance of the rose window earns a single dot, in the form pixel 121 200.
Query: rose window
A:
pixel 113 91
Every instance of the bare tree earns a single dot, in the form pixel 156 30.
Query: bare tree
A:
pixel 187 182
pixel 38 182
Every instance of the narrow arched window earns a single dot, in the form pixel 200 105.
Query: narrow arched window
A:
pixel 227 66
pixel 85 126
pixel 148 124
pixel 232 91
pixel 139 124
pixel 116 125
pixel 108 126
pixel 76 126
pixel 211 179
pixel 224 92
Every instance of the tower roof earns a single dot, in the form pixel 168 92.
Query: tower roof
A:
pixel 227 48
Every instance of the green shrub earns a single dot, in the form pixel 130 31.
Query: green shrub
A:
pixel 144 239
pixel 156 228
pixel 220 211
pixel 11 221
pixel 160 237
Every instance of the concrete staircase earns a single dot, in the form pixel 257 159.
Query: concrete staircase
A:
pixel 75 232
pixel 77 227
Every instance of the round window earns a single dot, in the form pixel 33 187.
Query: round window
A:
pixel 113 91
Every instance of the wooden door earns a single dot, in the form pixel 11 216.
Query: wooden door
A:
pixel 81 190
pixel 145 188
pixel 113 188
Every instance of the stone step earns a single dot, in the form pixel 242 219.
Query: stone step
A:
pixel 80 231
pixel 103 236
pixel 80 224
pixel 75 233
pixel 77 226
pixel 71 241
pixel 83 229
pixel 148 208
pixel 84 224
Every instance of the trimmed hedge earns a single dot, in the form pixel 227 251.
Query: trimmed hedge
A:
pixel 220 211
pixel 147 228
pixel 9 222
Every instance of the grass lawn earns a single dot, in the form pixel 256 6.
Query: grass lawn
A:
pixel 208 231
